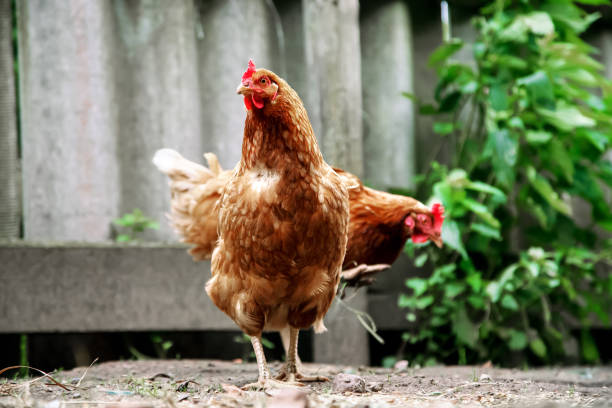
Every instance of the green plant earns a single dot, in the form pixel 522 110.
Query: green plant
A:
pixel 134 224
pixel 23 355
pixel 527 197
pixel 161 346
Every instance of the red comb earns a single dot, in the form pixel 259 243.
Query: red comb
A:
pixel 438 213
pixel 249 72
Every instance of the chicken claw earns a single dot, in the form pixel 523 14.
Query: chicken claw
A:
pixel 362 275
pixel 290 372
pixel 264 381
pixel 284 376
pixel 270 383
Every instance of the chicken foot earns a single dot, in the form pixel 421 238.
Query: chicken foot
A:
pixel 361 275
pixel 264 381
pixel 291 370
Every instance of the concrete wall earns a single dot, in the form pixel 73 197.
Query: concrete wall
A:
pixel 10 206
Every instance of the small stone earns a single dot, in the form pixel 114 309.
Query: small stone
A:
pixel 374 387
pixel 401 365
pixel 484 378
pixel 288 398
pixel 348 383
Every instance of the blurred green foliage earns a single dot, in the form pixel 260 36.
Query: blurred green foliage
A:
pixel 133 225
pixel 527 194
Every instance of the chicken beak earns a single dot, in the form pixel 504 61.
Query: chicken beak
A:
pixel 438 241
pixel 242 89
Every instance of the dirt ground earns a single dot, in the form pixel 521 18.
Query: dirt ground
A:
pixel 207 383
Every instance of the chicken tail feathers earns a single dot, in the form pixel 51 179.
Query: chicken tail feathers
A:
pixel 194 191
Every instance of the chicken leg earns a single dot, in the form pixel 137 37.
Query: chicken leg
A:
pixel 264 381
pixel 290 371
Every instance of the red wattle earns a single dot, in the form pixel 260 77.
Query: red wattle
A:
pixel 419 238
pixel 257 101
pixel 247 103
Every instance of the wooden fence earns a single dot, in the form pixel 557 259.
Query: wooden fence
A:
pixel 103 84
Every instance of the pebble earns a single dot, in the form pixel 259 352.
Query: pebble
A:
pixel 288 398
pixel 375 386
pixel 401 365
pixel 348 383
pixel 484 378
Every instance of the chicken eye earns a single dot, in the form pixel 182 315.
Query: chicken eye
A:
pixel 263 81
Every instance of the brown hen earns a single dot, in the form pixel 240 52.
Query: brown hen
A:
pixel 283 224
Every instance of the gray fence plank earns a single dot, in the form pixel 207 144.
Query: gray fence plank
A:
pixel 388 120
pixel 157 90
pixel 69 119
pixel 10 206
pixel 333 65
pixel 230 32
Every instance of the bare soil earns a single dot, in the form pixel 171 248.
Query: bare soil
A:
pixel 208 383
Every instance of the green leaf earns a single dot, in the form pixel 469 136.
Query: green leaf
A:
pixel 420 260
pixel 418 285
pixel 443 52
pixel 453 289
pixel 539 23
pixel 594 2
pixel 486 231
pixel 597 139
pixel 517 340
pixel 486 188
pixel 389 361
pixel 451 235
pixel 540 89
pixel 406 301
pixel 504 148
pixel 475 281
pixel 427 109
pixel 424 302
pixel 570 15
pixel 465 330
pixel 509 302
pixel 543 187
pixel 538 347
pixel 589 349
pixel 450 102
pixel 123 238
pixel 562 159
pixel 535 137
pixel 566 118
pixel 443 128
pixel 494 290
pixel 498 96
pixel 477 302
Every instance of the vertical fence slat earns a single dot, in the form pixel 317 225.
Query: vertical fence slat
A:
pixel 334 75
pixel 157 92
pixel 69 122
pixel 333 66
pixel 230 33
pixel 388 119
pixel 9 169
